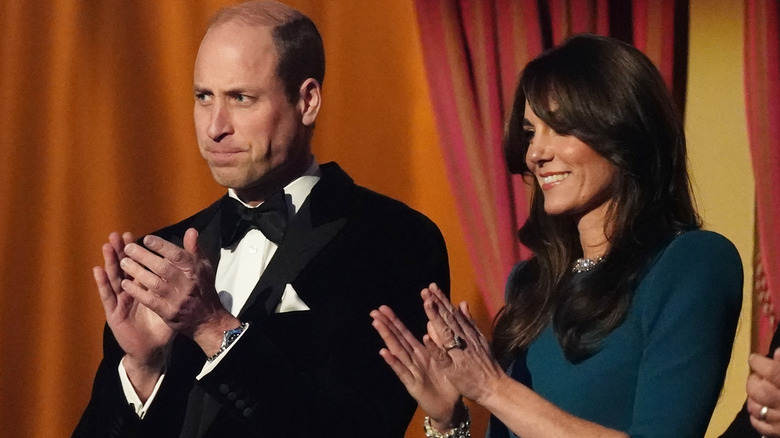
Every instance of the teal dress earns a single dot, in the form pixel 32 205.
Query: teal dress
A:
pixel 660 372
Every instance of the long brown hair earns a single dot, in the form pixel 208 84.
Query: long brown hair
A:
pixel 610 96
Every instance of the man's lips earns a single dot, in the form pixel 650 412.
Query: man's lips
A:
pixel 222 156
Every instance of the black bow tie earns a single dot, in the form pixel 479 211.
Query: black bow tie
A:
pixel 270 218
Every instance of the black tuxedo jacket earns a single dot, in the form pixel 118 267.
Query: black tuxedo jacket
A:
pixel 313 373
pixel 741 427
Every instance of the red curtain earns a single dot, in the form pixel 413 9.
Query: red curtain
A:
pixel 762 99
pixel 474 51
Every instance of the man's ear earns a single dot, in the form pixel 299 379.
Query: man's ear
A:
pixel 309 100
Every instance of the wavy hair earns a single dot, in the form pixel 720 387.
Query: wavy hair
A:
pixel 610 96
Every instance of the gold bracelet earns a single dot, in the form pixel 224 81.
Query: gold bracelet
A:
pixel 462 430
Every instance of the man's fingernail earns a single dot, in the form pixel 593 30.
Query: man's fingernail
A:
pixel 150 241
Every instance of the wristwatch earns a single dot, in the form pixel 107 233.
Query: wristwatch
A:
pixel 228 337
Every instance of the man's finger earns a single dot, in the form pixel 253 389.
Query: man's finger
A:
pixel 174 254
pixel 105 289
pixel 191 242
pixel 765 368
pixel 152 280
pixel 148 298
pixel 111 266
pixel 163 267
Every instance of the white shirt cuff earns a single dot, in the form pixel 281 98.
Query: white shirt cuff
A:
pixel 132 397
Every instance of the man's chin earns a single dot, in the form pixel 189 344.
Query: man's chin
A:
pixel 231 178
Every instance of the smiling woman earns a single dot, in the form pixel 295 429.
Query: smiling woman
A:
pixel 622 322
pixel 574 178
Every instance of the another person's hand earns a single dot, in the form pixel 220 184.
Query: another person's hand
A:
pixel 464 352
pixel 141 333
pixel 417 370
pixel 178 285
pixel 763 390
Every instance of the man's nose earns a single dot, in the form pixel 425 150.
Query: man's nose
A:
pixel 220 124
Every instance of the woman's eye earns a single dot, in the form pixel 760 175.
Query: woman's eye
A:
pixel 528 134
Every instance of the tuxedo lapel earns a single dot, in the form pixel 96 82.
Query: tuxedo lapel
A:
pixel 317 222
pixel 209 233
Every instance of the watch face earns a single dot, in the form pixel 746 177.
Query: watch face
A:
pixel 231 336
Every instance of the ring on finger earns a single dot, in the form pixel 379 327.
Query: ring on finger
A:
pixel 456 343
pixel 762 413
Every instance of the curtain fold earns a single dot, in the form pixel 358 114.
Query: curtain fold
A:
pixel 762 101
pixel 474 51
pixel 460 43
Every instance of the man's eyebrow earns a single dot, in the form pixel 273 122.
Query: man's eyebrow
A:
pixel 236 91
pixel 200 90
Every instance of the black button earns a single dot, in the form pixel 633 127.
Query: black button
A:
pixel 224 389
pixel 240 404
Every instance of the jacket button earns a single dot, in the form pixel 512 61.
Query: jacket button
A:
pixel 240 404
pixel 224 389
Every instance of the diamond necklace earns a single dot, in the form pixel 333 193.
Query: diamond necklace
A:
pixel 584 265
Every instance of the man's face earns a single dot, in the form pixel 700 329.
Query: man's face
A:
pixel 252 137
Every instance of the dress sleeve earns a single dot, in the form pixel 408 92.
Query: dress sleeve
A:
pixel 689 304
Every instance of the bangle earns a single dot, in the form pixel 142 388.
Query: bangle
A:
pixel 462 430
pixel 228 337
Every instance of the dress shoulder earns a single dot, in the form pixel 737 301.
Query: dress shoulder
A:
pixel 699 273
pixel 698 256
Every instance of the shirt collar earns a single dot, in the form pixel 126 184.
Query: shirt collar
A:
pixel 297 190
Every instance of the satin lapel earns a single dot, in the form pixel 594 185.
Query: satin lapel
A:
pixel 208 233
pixel 209 240
pixel 317 222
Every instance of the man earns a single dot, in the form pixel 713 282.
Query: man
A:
pixel 216 328
pixel 760 415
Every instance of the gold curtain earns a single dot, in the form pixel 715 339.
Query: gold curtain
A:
pixel 96 135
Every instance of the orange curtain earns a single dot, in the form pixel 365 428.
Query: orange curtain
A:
pixel 97 135
pixel 762 98
pixel 474 51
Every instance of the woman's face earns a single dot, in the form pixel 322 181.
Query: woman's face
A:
pixel 574 178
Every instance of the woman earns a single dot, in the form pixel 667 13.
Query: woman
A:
pixel 622 322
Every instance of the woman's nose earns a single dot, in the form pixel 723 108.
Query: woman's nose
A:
pixel 538 151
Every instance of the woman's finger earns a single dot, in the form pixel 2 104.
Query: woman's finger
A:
pixel 394 341
pixel 439 356
pixel 399 368
pixel 399 327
